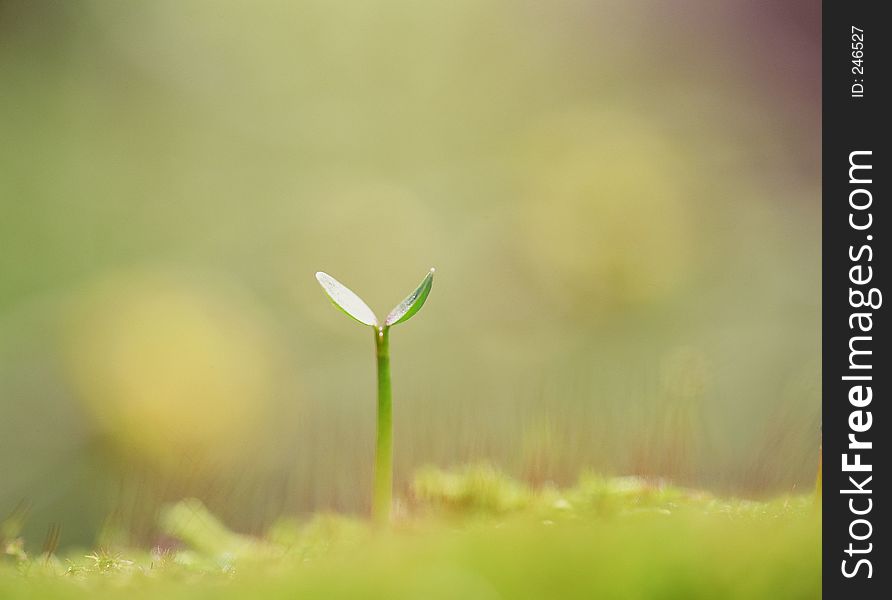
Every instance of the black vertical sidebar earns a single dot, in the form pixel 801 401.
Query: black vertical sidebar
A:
pixel 857 373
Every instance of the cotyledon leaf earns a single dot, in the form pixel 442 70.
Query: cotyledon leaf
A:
pixel 347 300
pixel 406 309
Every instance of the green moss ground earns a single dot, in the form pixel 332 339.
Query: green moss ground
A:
pixel 471 533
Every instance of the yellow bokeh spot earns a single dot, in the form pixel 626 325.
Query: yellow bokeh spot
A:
pixel 605 210
pixel 173 370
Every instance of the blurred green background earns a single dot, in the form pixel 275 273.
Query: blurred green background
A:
pixel 621 199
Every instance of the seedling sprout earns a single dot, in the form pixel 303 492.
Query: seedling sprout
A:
pixel 351 304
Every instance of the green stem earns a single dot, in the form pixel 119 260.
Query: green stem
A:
pixel 383 492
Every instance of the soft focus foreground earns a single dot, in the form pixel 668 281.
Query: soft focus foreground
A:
pixel 472 534
pixel 621 199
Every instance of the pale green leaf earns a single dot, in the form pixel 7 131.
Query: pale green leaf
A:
pixel 406 309
pixel 345 299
